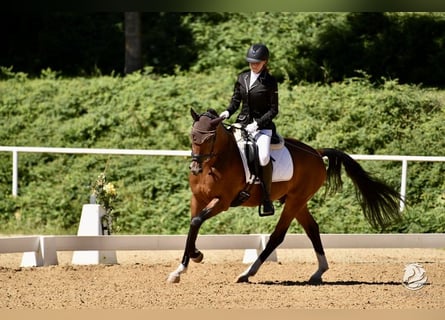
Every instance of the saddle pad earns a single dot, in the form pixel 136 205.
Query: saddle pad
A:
pixel 283 167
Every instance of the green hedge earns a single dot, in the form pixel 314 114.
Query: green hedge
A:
pixel 305 46
pixel 148 111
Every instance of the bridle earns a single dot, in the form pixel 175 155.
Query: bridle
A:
pixel 203 137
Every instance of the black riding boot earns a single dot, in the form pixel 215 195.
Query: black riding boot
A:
pixel 266 173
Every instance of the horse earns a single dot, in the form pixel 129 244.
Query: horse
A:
pixel 217 177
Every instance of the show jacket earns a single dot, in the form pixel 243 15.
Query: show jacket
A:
pixel 259 103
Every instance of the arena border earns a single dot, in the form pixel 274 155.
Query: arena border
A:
pixel 45 247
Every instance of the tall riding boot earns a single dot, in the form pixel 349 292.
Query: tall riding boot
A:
pixel 266 173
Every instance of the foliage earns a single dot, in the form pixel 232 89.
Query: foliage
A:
pixel 147 111
pixel 344 83
pixel 404 46
pixel 306 47
pixel 104 193
pixel 225 40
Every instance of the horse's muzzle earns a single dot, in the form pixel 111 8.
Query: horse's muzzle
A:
pixel 195 167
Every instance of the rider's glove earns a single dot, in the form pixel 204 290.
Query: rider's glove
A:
pixel 252 127
pixel 225 114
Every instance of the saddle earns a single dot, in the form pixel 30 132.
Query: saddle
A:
pixel 249 154
pixel 251 151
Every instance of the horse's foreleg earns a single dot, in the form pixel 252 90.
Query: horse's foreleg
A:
pixel 191 252
pixel 276 238
pixel 310 226
pixel 175 276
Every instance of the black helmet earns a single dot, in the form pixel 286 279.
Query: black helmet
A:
pixel 257 52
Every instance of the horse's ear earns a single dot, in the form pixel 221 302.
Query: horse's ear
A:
pixel 195 116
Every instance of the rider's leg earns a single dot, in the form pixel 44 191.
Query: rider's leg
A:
pixel 263 142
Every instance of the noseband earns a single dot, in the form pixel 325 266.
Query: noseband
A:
pixel 199 137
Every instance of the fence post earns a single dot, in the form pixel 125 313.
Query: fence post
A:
pixel 15 171
pixel 403 184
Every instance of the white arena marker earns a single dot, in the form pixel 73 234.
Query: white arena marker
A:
pixel 250 255
pixel 90 225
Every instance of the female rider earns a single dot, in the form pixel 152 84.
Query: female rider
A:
pixel 257 89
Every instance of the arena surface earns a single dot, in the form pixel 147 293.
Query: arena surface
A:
pixel 357 279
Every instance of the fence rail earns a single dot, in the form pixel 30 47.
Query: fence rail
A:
pixel 141 152
pixel 46 247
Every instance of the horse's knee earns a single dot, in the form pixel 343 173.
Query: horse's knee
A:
pixel 196 222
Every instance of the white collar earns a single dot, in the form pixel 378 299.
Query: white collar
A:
pixel 253 77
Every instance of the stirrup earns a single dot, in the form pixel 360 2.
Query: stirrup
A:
pixel 269 212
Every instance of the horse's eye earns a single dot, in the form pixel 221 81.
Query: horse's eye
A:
pixel 192 137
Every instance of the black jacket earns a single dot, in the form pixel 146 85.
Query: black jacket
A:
pixel 259 103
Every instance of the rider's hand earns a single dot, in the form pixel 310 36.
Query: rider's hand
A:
pixel 225 114
pixel 252 127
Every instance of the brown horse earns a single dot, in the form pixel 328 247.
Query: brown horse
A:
pixel 217 177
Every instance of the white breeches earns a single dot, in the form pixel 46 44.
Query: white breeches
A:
pixel 263 138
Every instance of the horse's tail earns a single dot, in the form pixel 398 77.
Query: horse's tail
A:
pixel 380 203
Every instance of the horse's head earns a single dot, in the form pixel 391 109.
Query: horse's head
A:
pixel 203 138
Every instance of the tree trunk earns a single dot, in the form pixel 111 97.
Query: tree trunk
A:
pixel 133 58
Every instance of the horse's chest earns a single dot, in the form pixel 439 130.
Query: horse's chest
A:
pixel 208 184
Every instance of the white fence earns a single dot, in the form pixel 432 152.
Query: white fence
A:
pixel 16 150
pixel 46 247
pixel 134 152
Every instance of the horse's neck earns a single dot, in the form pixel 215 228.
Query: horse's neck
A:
pixel 224 146
pixel 225 140
pixel 227 158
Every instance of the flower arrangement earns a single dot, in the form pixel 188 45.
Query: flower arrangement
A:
pixel 104 193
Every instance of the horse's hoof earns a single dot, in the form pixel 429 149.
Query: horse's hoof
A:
pixel 173 278
pixel 242 279
pixel 315 281
pixel 199 258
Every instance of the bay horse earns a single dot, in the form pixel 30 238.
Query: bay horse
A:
pixel 217 177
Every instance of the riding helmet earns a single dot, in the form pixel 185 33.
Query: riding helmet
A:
pixel 257 53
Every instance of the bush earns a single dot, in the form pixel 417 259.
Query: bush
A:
pixel 146 111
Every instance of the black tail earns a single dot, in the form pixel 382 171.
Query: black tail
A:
pixel 380 203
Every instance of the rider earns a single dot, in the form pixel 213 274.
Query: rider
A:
pixel 257 89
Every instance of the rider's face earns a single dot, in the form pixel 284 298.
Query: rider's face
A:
pixel 257 66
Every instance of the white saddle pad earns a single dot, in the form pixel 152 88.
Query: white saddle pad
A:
pixel 283 167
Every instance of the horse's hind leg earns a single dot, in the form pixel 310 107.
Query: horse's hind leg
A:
pixel 276 238
pixel 310 226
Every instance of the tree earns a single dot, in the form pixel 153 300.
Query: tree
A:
pixel 133 59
